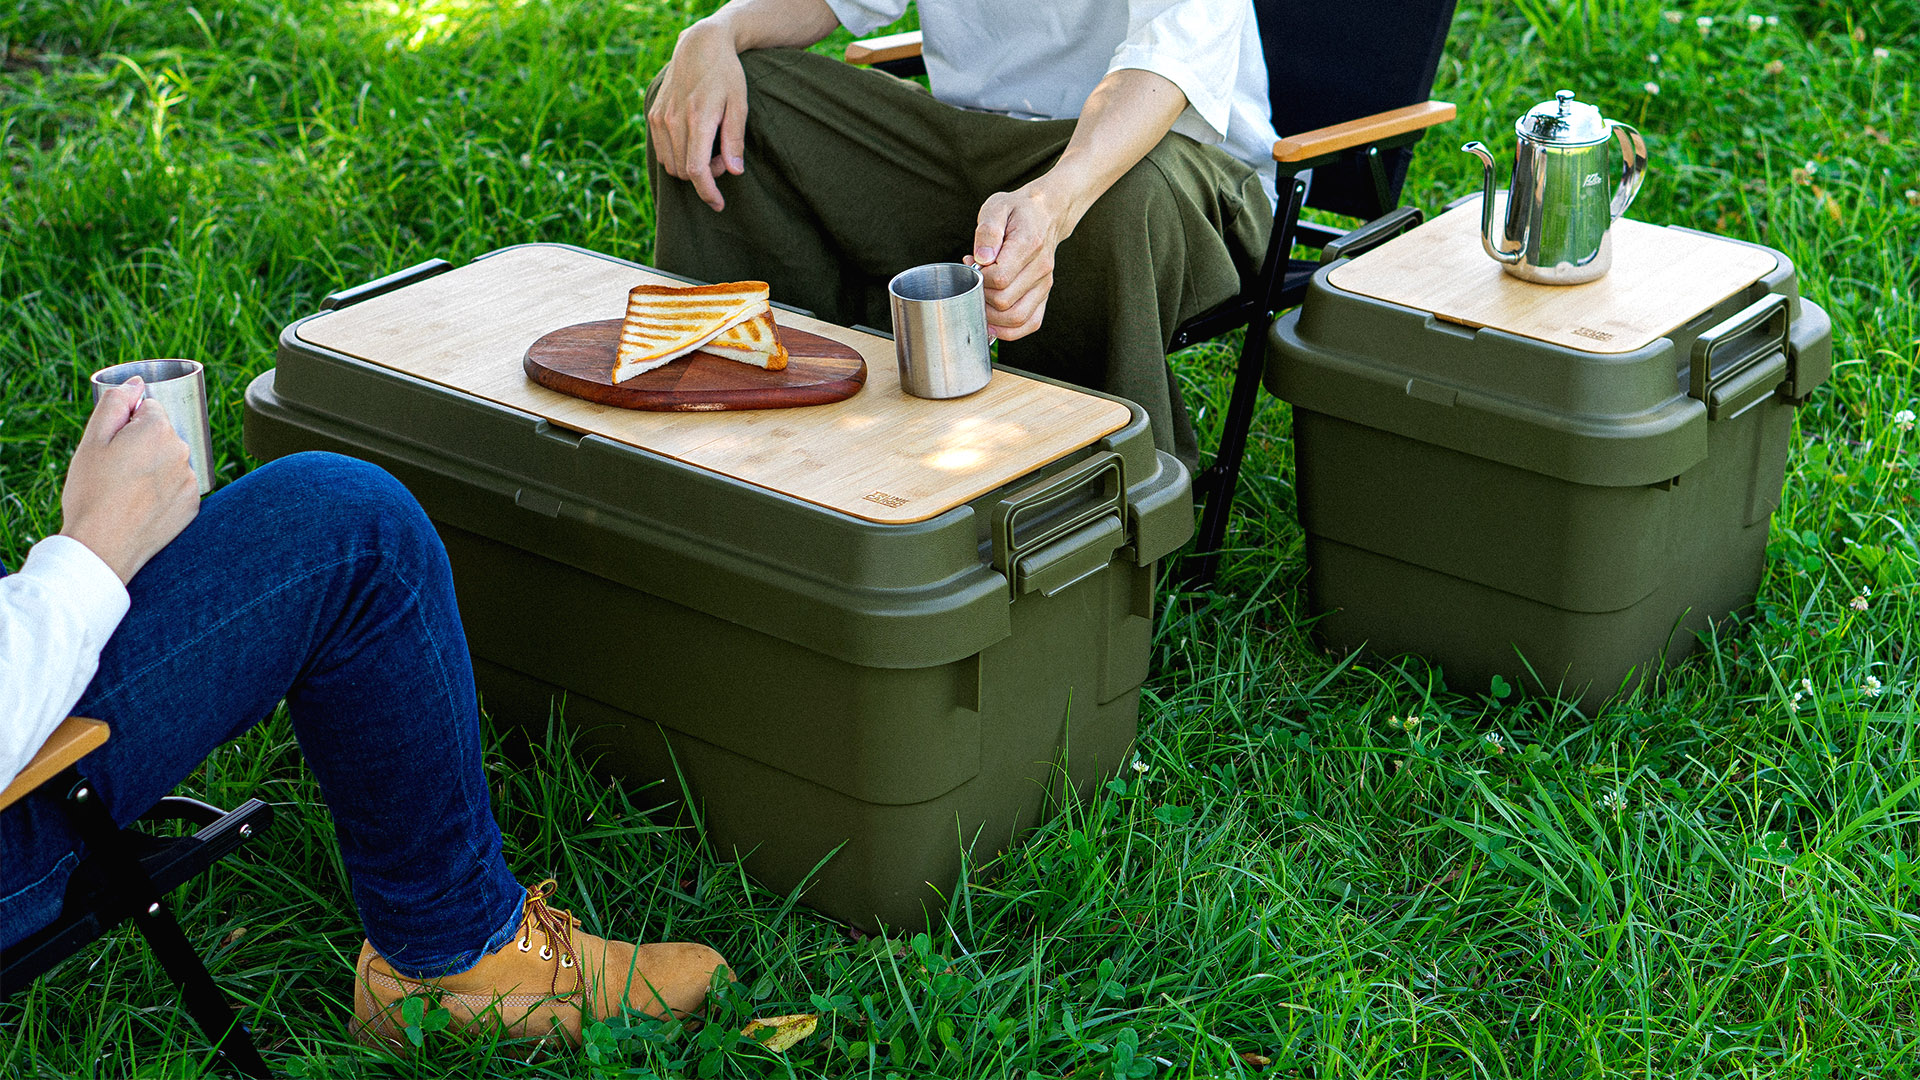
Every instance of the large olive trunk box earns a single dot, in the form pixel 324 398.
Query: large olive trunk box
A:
pixel 1564 519
pixel 858 678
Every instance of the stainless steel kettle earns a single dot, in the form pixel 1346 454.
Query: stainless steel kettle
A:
pixel 1559 211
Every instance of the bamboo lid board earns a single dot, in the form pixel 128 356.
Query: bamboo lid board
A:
pixel 880 455
pixel 1660 279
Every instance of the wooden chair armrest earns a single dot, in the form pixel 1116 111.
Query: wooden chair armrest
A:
pixel 75 738
pixel 1338 137
pixel 879 50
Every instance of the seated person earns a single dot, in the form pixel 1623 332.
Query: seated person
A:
pixel 1109 166
pixel 318 580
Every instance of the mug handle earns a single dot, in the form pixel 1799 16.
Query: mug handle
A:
pixel 1634 150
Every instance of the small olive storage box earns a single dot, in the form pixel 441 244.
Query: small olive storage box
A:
pixel 1564 502
pixel 867 635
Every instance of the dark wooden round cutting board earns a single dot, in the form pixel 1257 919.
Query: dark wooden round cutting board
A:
pixel 578 360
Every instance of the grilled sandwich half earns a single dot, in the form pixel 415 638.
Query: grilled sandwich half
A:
pixel 666 322
pixel 756 342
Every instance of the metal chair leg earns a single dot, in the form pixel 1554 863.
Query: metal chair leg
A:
pixel 1223 476
pixel 204 1000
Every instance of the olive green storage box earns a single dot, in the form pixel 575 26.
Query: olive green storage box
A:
pixel 1561 518
pixel 851 704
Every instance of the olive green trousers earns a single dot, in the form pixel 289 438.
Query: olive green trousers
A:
pixel 853 175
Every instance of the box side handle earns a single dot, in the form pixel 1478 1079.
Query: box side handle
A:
pixel 378 286
pixel 1722 370
pixel 1354 244
pixel 1041 513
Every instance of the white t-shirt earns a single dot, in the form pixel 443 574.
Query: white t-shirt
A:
pixel 56 615
pixel 1041 58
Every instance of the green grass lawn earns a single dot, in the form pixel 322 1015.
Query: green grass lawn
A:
pixel 1717 877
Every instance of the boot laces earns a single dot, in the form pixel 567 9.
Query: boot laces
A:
pixel 555 925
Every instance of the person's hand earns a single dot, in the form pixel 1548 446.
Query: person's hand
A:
pixel 130 488
pixel 1013 245
pixel 702 96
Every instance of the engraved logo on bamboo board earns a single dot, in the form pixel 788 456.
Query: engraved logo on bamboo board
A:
pixel 891 501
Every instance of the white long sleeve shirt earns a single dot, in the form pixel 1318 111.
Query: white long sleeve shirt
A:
pixel 56 615
pixel 1041 58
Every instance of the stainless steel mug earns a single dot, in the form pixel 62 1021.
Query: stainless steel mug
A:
pixel 180 386
pixel 940 330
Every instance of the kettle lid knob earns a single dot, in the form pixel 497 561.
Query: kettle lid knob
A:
pixel 1563 122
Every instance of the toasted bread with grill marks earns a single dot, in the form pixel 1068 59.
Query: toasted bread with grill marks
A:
pixel 756 342
pixel 666 322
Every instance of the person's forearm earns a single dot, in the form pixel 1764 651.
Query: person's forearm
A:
pixel 769 24
pixel 1127 115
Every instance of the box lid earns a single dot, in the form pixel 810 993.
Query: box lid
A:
pixel 1582 415
pixel 1660 279
pixel 881 456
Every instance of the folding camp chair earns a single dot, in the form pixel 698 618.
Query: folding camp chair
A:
pixel 127 874
pixel 1352 79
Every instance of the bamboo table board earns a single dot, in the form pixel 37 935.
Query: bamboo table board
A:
pixel 881 455
pixel 1660 279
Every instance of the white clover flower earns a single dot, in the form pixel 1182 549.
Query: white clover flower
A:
pixel 1904 419
pixel 1704 23
pixel 1880 52
pixel 1653 58
pixel 1673 17
pixel 1653 88
pixel 1495 742
pixel 1614 802
pixel 1807 686
pixel 1871 687
pixel 1755 22
pixel 1139 766
pixel 1793 703
pixel 1773 20
pixel 1812 167
pixel 1858 603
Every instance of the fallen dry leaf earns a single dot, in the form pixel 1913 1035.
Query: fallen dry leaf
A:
pixel 786 1030
pixel 1258 1061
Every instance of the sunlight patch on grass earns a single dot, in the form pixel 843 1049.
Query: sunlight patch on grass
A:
pixel 418 23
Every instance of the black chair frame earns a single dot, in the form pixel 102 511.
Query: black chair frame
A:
pixel 126 876
pixel 1281 284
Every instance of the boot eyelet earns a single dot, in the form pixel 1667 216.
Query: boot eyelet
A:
pixel 566 961
pixel 546 952
pixel 526 946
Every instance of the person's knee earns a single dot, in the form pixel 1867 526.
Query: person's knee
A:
pixel 335 499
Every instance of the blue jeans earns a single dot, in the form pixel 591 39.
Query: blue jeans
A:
pixel 316 579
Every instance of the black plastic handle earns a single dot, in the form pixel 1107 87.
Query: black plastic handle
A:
pixel 1371 235
pixel 1751 336
pixel 399 279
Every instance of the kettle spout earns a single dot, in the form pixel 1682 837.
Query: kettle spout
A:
pixel 1487 238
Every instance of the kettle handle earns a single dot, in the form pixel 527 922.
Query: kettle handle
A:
pixel 1634 150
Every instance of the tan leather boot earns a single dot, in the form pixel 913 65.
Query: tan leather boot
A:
pixel 545 984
